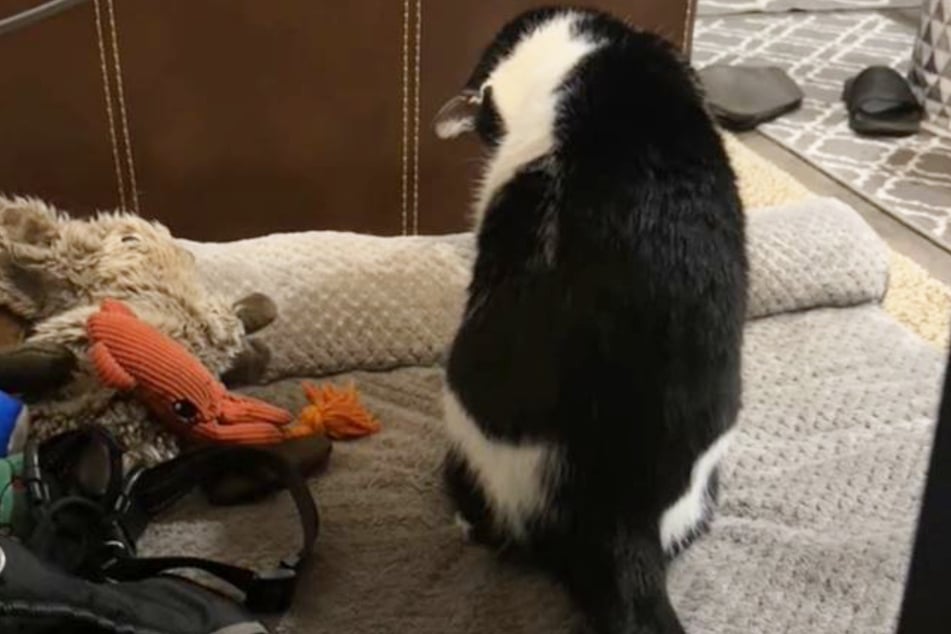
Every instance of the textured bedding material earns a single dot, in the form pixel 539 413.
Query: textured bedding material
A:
pixel 381 303
pixel 820 495
pixel 820 491
pixel 347 300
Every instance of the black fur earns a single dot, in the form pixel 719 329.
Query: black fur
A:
pixel 605 317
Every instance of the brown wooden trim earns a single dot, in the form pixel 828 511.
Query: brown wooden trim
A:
pixel 690 20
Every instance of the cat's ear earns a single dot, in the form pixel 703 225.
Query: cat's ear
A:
pixel 458 115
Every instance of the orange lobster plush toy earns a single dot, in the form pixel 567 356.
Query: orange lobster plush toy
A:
pixel 130 355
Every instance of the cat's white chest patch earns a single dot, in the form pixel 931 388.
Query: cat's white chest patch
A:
pixel 684 515
pixel 514 478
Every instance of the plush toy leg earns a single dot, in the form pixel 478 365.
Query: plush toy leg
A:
pixel 255 311
pixel 240 486
pixel 32 369
pixel 249 366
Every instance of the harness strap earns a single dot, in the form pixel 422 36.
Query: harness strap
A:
pixel 157 488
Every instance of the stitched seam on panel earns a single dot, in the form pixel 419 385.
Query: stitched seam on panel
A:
pixel 120 94
pixel 110 114
pixel 417 78
pixel 404 158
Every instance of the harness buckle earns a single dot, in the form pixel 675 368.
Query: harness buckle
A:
pixel 271 592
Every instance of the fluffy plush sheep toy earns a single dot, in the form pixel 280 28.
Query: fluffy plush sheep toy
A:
pixel 54 273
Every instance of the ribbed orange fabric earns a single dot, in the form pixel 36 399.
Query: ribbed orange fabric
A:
pixel 130 355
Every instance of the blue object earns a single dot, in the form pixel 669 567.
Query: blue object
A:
pixel 14 421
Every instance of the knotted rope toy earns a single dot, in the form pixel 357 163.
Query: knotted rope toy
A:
pixel 336 412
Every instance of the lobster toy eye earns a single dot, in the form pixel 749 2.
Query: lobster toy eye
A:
pixel 185 410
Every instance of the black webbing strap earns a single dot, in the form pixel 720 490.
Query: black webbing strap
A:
pixel 153 490
pixel 926 607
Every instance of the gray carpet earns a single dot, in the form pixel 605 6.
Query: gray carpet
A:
pixel 910 178
pixel 720 7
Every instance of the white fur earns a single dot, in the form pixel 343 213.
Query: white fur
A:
pixel 453 127
pixel 464 527
pixel 684 515
pixel 525 90
pixel 516 479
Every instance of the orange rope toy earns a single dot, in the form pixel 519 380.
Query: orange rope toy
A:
pixel 334 411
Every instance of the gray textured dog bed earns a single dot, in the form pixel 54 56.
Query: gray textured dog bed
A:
pixel 820 491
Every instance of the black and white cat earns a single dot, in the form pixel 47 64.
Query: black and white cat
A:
pixel 595 377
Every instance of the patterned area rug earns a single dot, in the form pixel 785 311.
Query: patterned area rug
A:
pixel 910 178
pixel 721 7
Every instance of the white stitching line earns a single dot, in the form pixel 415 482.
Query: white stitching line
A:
pixel 417 77
pixel 120 182
pixel 405 150
pixel 120 93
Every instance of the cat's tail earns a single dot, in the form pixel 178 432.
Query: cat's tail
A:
pixel 621 586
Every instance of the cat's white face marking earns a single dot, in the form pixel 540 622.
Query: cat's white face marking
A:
pixel 525 86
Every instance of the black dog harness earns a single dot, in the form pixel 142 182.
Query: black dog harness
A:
pixel 87 514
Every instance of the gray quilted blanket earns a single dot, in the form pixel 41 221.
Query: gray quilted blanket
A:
pixel 349 301
pixel 820 491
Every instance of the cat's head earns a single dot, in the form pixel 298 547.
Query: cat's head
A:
pixel 513 90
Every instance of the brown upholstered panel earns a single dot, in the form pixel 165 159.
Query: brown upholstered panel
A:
pixel 248 117
pixel 54 140
pixel 265 116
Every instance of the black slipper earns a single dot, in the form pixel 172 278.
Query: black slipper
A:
pixel 880 102
pixel 742 97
